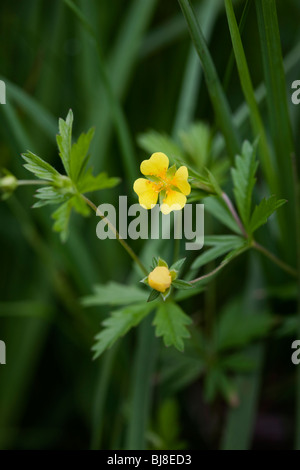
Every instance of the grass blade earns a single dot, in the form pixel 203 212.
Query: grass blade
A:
pixel 248 90
pixel 218 98
pixel 279 118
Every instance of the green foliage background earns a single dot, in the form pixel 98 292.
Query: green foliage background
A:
pixel 130 69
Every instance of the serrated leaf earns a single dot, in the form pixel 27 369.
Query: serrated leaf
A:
pixel 39 167
pixel 171 322
pixel 243 176
pixel 88 182
pixel 64 140
pixel 263 211
pixel 118 324
pixel 79 154
pixel 61 217
pixel 220 248
pixel 115 294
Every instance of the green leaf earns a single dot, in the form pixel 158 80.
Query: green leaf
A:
pixel 61 217
pixel 79 152
pixel 214 183
pixel 114 294
pixel 218 209
pixel 48 195
pixel 196 142
pixel 181 284
pixel 39 167
pixel 118 324
pixel 243 176
pixel 88 182
pixel 153 141
pixel 263 211
pixel 235 329
pixel 215 89
pixel 238 363
pixel 64 140
pixel 170 322
pixel 220 247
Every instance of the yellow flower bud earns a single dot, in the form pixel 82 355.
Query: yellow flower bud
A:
pixel 160 279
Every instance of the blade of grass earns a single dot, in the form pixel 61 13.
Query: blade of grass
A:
pixel 25 340
pixel 278 113
pixel 120 66
pixel 230 64
pixel 39 115
pixel 246 83
pixel 218 98
pixel 193 72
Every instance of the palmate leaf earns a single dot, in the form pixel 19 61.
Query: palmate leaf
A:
pixel 263 211
pixel 118 324
pixel 171 322
pixel 67 190
pixel 243 176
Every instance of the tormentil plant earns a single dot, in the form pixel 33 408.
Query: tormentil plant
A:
pixel 172 186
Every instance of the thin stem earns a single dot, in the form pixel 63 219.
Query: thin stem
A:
pixel 230 206
pixel 221 266
pixel 32 182
pixel 116 233
pixel 272 257
pixel 205 276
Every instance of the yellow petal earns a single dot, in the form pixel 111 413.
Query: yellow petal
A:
pixel 160 279
pixel 173 202
pixel 146 192
pixel 180 180
pixel 157 165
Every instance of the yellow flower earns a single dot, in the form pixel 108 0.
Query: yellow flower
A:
pixel 171 185
pixel 160 279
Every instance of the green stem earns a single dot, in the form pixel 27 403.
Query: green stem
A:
pixel 234 213
pixel 117 235
pixel 32 182
pixel 272 257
